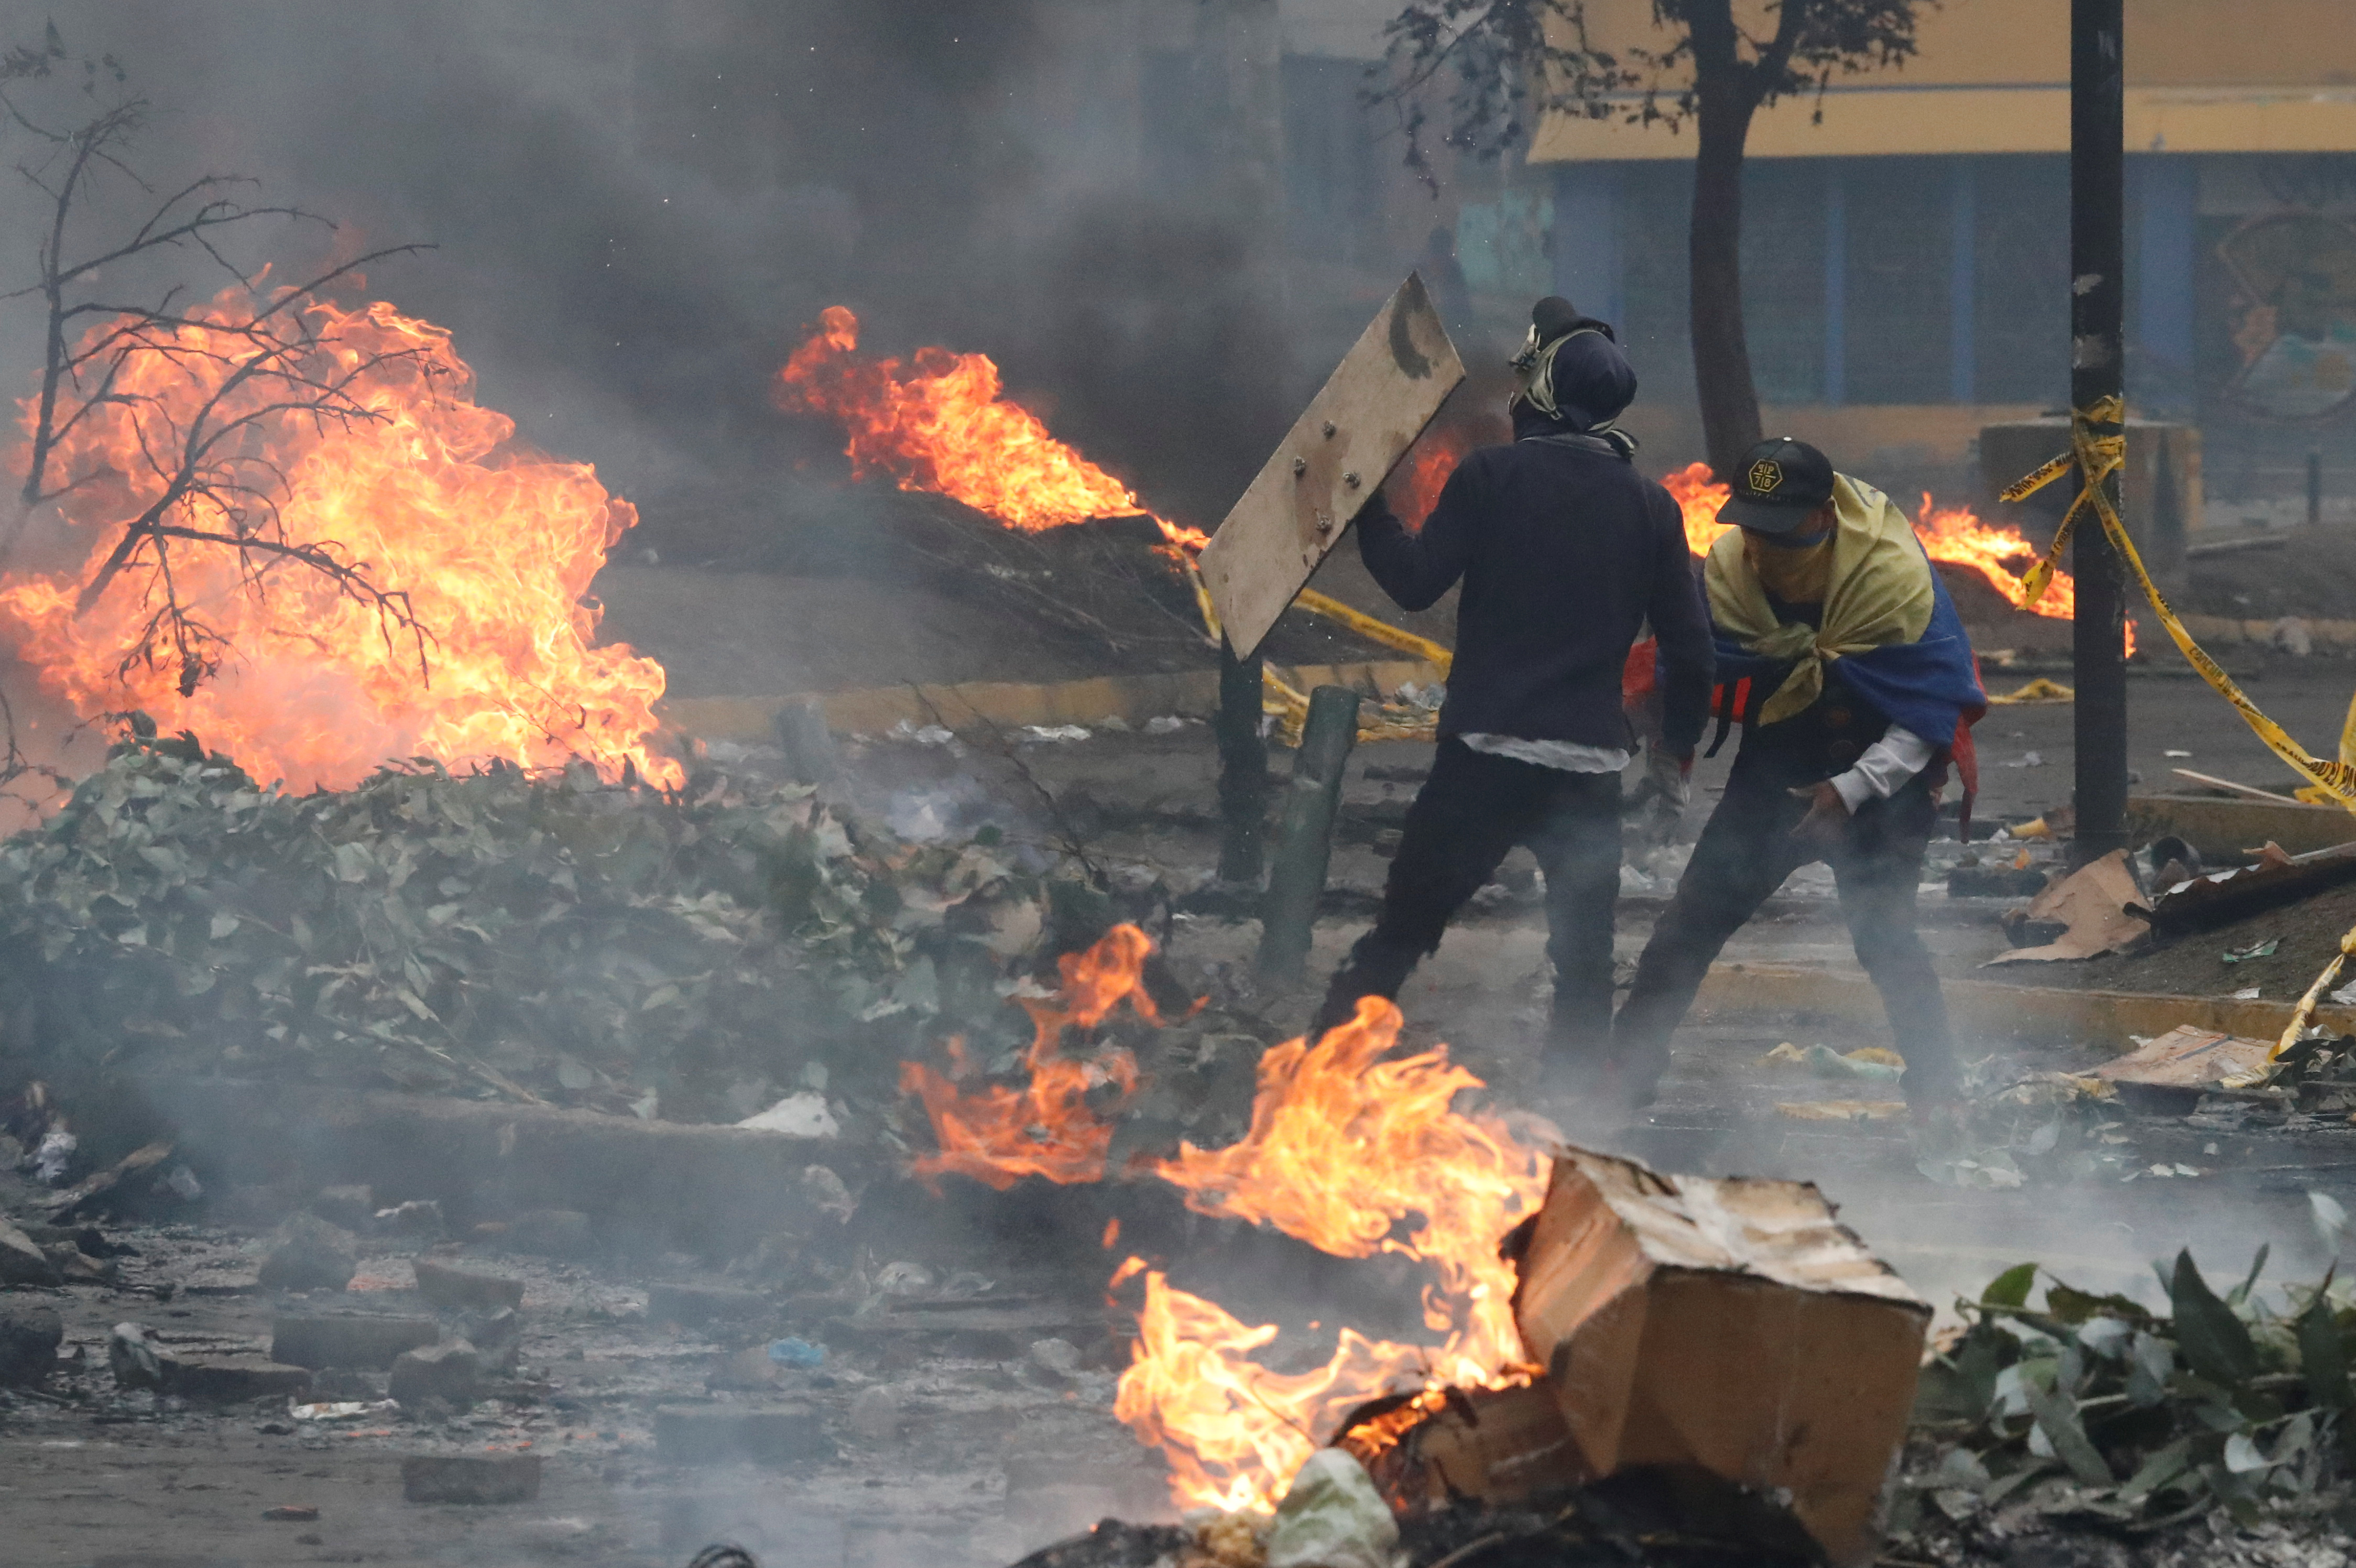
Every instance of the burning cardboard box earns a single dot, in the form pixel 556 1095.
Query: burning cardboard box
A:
pixel 1729 1324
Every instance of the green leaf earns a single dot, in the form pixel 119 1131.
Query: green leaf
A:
pixel 2057 1417
pixel 2162 1466
pixel 2067 1304
pixel 2257 1266
pixel 2321 1354
pixel 2215 1343
pixel 2011 1288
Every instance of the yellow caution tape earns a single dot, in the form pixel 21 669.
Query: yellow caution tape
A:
pixel 1374 630
pixel 2097 454
pixel 1289 707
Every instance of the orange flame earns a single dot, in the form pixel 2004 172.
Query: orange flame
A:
pixel 1048 1128
pixel 1414 487
pixel 1344 1148
pixel 1954 536
pixel 1699 498
pixel 940 424
pixel 494 546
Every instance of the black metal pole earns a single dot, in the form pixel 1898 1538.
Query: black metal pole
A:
pixel 2097 372
pixel 1243 770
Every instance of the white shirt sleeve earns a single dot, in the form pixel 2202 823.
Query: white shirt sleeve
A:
pixel 1884 768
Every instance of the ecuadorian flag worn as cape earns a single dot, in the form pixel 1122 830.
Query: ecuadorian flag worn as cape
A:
pixel 1887 619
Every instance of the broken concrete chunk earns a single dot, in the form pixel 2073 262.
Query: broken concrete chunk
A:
pixel 30 1337
pixel 348 1339
pixel 470 1477
pixel 720 1435
pixel 452 1371
pixel 1731 1325
pixel 454 1288
pixel 690 1305
pixel 22 1261
pixel 310 1255
pixel 138 1361
pixel 230 1380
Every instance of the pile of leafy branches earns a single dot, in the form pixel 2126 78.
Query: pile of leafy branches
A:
pixel 500 934
pixel 2098 1412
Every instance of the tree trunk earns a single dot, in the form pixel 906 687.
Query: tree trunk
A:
pixel 1723 384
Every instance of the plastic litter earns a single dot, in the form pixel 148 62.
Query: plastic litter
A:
pixel 796 1353
pixel 802 1115
pixel 1873 1064
pixel 1332 1517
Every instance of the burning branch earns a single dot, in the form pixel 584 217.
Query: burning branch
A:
pixel 213 481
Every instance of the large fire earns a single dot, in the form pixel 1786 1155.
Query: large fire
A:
pixel 940 422
pixel 1952 535
pixel 494 547
pixel 1345 1150
pixel 1349 1152
pixel 999 1135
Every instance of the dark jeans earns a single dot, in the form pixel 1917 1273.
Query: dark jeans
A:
pixel 1743 855
pixel 1473 808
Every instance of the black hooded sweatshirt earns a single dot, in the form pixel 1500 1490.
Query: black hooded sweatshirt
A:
pixel 1565 552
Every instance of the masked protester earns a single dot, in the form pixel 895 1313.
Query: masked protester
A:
pixel 1564 551
pixel 1841 656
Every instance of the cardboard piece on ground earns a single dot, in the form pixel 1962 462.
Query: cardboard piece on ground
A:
pixel 2185 1063
pixel 2092 902
pixel 1386 390
pixel 1729 1323
pixel 1496 1445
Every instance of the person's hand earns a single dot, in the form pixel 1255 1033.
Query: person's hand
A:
pixel 1827 815
pixel 1669 776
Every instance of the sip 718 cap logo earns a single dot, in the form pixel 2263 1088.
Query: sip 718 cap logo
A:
pixel 1765 475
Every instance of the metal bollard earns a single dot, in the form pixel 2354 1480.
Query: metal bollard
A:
pixel 1243 770
pixel 1304 842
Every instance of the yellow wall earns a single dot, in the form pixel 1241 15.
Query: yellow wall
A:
pixel 1992 76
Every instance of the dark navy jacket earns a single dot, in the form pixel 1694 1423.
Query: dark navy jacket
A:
pixel 1564 553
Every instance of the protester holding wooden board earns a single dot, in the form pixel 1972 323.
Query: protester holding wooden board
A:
pixel 1565 551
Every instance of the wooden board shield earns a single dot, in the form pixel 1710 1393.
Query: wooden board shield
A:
pixel 1368 414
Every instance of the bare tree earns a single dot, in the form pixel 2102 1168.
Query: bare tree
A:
pixel 192 395
pixel 1512 62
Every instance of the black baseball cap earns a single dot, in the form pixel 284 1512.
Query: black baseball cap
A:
pixel 1778 483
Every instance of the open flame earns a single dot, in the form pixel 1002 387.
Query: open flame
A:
pixel 1048 1128
pixel 1344 1150
pixel 940 422
pixel 1954 536
pixel 1349 1152
pixel 494 546
pixel 1414 487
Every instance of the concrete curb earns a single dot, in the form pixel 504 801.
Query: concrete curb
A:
pixel 975 707
pixel 1991 1010
pixel 2226 630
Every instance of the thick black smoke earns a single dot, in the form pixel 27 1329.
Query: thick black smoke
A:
pixel 640 208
